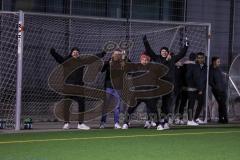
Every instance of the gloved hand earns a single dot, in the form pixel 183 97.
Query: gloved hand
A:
pixel 52 51
pixel 103 53
pixel 144 38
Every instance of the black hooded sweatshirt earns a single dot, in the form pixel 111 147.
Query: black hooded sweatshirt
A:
pixel 169 63
pixel 76 77
pixel 202 77
pixel 216 79
pixel 191 73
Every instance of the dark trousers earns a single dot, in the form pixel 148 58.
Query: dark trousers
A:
pixel 200 104
pixel 190 97
pixel 151 106
pixel 81 108
pixel 177 101
pixel 221 98
pixel 167 106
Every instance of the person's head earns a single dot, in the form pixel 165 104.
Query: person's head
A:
pixel 144 58
pixel 117 55
pixel 75 53
pixel 200 59
pixel 164 51
pixel 216 61
pixel 192 56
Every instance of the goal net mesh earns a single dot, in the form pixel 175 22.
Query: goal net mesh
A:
pixel 43 32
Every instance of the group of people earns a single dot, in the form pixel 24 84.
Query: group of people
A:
pixel 189 78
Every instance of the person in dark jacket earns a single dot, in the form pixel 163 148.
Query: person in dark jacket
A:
pixel 76 78
pixel 191 87
pixel 178 91
pixel 200 60
pixel 152 112
pixel 166 59
pixel 219 85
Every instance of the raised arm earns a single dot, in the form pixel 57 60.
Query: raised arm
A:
pixel 105 66
pixel 101 55
pixel 56 56
pixel 181 54
pixel 148 48
pixel 183 51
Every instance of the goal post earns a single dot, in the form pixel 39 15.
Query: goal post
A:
pixel 26 62
pixel 19 70
pixel 208 65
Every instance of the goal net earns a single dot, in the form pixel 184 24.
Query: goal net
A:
pixel 45 31
pixel 234 89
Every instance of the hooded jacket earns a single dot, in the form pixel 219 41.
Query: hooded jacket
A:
pixel 169 63
pixel 76 77
pixel 117 72
pixel 216 79
pixel 202 77
pixel 191 73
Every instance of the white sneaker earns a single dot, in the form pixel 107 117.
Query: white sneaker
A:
pixel 181 122
pixel 199 121
pixel 191 123
pixel 102 126
pixel 160 127
pixel 117 126
pixel 177 121
pixel 170 121
pixel 147 125
pixel 125 126
pixel 153 124
pixel 166 126
pixel 66 126
pixel 83 127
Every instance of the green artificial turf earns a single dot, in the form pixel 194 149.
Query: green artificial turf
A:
pixel 108 144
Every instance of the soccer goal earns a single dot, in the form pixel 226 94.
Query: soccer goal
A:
pixel 25 62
